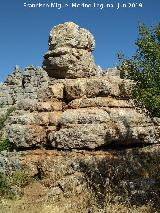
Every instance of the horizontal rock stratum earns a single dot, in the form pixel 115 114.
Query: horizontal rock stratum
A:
pixel 71 104
pixel 75 113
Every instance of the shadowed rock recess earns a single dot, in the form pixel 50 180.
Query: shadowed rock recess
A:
pixel 75 127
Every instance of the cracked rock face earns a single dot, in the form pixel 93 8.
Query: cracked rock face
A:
pixel 77 110
pixel 71 35
pixel 84 113
pixel 70 52
pixel 74 107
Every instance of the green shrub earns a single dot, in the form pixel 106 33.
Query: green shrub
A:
pixel 12 185
pixel 4 185
pixel 5 145
pixel 144 69
pixel 5 117
pixel 4 142
pixel 20 178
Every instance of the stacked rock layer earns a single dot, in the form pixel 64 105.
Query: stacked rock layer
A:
pixel 71 104
pixel 80 107
pixel 81 113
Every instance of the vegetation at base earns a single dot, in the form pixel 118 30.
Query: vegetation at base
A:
pixel 20 178
pixel 4 185
pixel 10 184
pixel 144 69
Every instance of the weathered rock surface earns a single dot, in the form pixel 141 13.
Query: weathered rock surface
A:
pixel 71 35
pixel 128 175
pixel 96 87
pixel 84 113
pixel 70 106
pixel 90 112
pixel 70 52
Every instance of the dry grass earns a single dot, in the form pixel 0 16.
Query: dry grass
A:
pixel 83 203
pixel 37 200
pixel 19 206
pixel 95 196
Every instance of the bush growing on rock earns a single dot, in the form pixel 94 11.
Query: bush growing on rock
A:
pixel 4 142
pixel 5 145
pixel 4 117
pixel 144 69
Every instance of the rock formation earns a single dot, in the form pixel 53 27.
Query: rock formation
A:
pixel 71 105
pixel 70 52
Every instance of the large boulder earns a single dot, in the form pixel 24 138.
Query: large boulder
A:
pixel 71 35
pixel 70 52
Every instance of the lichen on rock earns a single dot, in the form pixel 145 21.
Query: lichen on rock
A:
pixel 70 52
pixel 69 104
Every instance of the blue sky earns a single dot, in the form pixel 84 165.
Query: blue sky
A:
pixel 24 31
